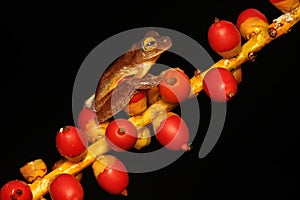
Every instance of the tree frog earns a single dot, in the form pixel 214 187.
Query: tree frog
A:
pixel 111 95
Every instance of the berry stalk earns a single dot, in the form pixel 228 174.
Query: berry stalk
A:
pixel 278 27
pixel 40 186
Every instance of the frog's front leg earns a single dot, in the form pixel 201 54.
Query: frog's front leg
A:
pixel 147 82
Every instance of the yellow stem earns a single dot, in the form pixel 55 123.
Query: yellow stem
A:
pixel 278 27
pixel 40 186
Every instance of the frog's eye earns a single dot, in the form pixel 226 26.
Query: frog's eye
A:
pixel 149 43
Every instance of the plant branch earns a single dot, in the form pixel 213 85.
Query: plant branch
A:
pixel 278 27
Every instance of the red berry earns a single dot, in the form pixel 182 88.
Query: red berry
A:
pixel 111 174
pixel 176 87
pixel 137 104
pixel 138 96
pixel 15 190
pixel 121 134
pixel 173 132
pixel 219 84
pixel 250 22
pixel 224 38
pixel 285 5
pixel 65 187
pixel 249 13
pixel 71 143
pixel 84 116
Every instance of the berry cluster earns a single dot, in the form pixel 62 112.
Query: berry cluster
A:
pixel 87 144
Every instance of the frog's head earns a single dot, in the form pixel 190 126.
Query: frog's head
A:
pixel 151 47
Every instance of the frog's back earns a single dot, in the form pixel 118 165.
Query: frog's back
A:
pixel 137 61
pixel 111 76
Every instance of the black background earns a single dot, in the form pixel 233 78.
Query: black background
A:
pixel 256 156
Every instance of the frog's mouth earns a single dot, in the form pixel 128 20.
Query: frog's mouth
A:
pixel 164 43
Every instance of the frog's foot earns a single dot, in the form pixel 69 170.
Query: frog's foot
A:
pixel 90 102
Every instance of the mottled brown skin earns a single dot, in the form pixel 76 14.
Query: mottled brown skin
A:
pixel 111 97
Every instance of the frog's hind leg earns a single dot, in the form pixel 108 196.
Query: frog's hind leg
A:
pixel 121 96
pixel 104 112
pixel 115 101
